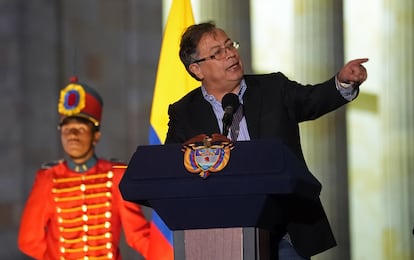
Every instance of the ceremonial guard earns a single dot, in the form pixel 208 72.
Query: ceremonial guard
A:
pixel 75 209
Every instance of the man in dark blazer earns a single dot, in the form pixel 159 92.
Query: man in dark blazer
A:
pixel 272 106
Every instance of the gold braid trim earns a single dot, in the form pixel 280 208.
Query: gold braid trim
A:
pixel 84 208
pixel 109 174
pixel 82 218
pixel 83 187
pixel 87 238
pixel 87 248
pixel 109 256
pixel 98 257
pixel 86 227
pixel 87 196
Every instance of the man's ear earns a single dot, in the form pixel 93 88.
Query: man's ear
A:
pixel 96 137
pixel 196 70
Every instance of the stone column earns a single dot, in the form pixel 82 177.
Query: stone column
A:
pixel 234 17
pixel 397 121
pixel 318 55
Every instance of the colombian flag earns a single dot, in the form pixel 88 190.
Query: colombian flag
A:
pixel 171 84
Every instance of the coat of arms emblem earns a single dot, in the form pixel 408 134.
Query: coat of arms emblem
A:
pixel 204 154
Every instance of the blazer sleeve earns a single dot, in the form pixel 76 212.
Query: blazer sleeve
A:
pixel 268 92
pixel 309 102
pixel 175 133
pixel 36 215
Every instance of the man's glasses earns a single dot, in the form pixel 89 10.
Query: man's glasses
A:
pixel 221 52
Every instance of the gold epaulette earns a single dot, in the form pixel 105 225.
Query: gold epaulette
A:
pixel 119 164
pixel 50 164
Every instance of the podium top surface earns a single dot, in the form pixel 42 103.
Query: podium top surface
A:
pixel 254 167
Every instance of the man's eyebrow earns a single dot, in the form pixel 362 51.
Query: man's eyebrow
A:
pixel 219 46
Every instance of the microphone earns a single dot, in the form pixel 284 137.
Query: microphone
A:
pixel 230 104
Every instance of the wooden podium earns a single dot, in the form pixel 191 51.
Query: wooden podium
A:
pixel 230 214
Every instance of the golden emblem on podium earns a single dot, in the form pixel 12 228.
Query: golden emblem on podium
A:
pixel 204 154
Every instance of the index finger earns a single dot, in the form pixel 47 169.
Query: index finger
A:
pixel 358 61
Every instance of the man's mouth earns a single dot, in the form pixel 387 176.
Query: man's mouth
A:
pixel 73 142
pixel 234 66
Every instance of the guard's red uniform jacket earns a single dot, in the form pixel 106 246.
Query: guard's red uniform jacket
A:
pixel 72 215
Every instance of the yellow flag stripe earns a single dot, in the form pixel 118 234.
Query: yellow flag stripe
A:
pixel 172 80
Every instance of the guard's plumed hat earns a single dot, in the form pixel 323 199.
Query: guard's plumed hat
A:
pixel 79 100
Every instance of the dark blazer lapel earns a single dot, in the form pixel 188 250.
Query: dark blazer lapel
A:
pixel 252 100
pixel 209 121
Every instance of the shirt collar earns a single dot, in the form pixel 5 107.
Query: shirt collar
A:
pixel 211 99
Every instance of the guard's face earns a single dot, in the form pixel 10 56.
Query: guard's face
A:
pixel 221 72
pixel 78 140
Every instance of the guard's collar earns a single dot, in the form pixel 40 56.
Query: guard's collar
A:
pixel 84 166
